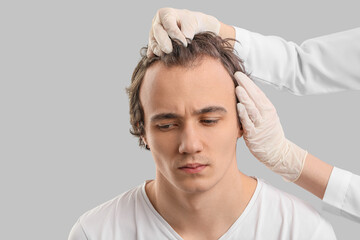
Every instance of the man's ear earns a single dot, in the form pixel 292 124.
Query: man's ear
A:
pixel 240 130
pixel 143 138
pixel 145 142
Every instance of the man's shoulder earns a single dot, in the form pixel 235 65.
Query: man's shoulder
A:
pixel 277 199
pixel 293 215
pixel 112 211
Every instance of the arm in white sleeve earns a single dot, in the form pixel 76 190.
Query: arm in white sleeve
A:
pixel 342 195
pixel 320 65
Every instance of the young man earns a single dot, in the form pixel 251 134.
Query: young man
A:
pixel 320 65
pixel 183 109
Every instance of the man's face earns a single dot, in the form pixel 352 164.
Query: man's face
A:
pixel 191 123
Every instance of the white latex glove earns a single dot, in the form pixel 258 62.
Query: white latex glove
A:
pixel 178 24
pixel 263 133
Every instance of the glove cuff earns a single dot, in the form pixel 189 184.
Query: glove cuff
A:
pixel 292 164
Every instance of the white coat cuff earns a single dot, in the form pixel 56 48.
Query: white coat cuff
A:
pixel 336 189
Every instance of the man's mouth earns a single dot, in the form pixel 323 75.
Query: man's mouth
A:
pixel 193 167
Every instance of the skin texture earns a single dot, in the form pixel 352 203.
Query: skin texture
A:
pixel 315 176
pixel 190 202
pixel 227 31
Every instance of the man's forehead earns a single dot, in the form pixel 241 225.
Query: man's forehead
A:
pixel 204 65
pixel 176 88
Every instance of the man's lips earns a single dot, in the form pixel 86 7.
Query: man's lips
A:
pixel 193 167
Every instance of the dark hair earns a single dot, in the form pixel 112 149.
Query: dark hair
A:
pixel 203 44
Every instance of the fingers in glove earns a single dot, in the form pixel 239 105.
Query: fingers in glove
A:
pixel 172 28
pixel 250 106
pixel 188 26
pixel 157 51
pixel 154 49
pixel 165 25
pixel 151 45
pixel 259 98
pixel 162 38
pixel 246 122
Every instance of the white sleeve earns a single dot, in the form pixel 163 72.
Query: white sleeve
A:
pixel 77 232
pixel 320 65
pixel 342 195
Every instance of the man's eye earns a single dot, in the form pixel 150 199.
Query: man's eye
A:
pixel 209 121
pixel 165 126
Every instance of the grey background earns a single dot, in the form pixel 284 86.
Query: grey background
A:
pixel 65 145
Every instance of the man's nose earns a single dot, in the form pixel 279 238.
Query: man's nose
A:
pixel 190 141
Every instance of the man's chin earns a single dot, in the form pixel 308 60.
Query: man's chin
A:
pixel 194 186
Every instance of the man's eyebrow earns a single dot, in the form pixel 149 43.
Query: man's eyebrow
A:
pixel 163 116
pixel 210 109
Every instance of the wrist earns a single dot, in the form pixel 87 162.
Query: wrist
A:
pixel 291 162
pixel 227 31
pixel 315 176
pixel 295 162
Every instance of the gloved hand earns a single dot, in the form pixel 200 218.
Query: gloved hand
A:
pixel 178 24
pixel 263 133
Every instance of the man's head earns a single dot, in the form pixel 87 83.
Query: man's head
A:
pixel 203 44
pixel 183 106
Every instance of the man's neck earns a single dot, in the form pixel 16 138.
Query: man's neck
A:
pixel 211 212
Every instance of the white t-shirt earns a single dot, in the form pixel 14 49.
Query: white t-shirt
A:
pixel 270 214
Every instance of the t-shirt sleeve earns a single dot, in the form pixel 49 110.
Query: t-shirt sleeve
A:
pixel 77 232
pixel 342 195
